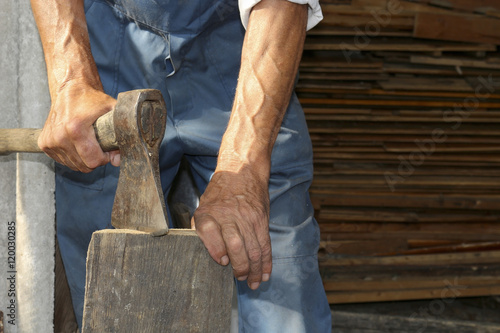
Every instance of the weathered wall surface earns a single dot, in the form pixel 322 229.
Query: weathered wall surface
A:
pixel 27 212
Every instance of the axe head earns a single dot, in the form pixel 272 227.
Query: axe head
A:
pixel 140 118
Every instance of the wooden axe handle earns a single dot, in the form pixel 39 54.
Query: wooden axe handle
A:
pixel 25 140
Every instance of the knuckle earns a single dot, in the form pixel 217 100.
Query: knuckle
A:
pixel 92 164
pixel 204 225
pixel 74 127
pixel 235 243
pixel 255 255
pixel 241 270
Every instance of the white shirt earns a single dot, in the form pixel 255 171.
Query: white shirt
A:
pixel 314 11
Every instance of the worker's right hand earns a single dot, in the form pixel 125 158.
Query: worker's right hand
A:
pixel 68 134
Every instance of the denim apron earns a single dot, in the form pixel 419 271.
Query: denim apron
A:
pixel 190 50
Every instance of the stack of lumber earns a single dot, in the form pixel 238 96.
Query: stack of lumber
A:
pixel 402 101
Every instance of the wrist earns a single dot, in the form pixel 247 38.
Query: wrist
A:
pixel 255 162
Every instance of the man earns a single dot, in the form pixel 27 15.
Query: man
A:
pixel 240 127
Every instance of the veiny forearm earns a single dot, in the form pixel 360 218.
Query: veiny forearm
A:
pixel 270 58
pixel 75 88
pixel 63 32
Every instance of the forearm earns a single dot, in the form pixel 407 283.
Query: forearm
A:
pixel 270 58
pixel 76 91
pixel 63 32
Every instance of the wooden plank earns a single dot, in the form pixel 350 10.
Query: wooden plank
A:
pixel 362 19
pixel 464 28
pixel 325 30
pixel 358 215
pixel 378 323
pixel 443 148
pixel 463 247
pixel 332 139
pixel 380 273
pixel 361 247
pixel 139 283
pixel 441 231
pixel 479 6
pixel 395 103
pixel 412 294
pixel 437 70
pixel 454 61
pixel 337 61
pixel 442 95
pixel 408 200
pixel 425 84
pixel 420 117
pixel 406 282
pixel 347 45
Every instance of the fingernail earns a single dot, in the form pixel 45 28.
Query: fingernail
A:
pixel 242 278
pixel 265 277
pixel 224 260
pixel 254 285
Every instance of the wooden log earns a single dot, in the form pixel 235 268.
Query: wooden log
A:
pixel 139 283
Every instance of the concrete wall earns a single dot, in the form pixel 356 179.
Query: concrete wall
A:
pixel 26 180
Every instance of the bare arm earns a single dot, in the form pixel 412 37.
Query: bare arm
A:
pixel 75 88
pixel 233 217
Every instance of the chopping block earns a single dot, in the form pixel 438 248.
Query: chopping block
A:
pixel 139 283
pixel 143 276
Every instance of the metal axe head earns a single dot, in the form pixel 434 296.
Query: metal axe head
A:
pixel 140 118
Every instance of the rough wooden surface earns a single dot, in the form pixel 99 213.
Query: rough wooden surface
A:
pixel 139 283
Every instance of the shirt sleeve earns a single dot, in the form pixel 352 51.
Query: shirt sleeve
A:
pixel 314 11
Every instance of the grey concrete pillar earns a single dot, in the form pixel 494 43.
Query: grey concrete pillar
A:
pixel 26 180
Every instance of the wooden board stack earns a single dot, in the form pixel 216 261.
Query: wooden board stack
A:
pixel 402 101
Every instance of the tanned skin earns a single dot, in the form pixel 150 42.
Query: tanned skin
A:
pixel 232 219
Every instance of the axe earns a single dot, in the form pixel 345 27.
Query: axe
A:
pixel 136 282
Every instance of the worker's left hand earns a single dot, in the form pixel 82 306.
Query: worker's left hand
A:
pixel 232 220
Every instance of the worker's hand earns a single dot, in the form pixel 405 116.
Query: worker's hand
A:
pixel 68 135
pixel 232 220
